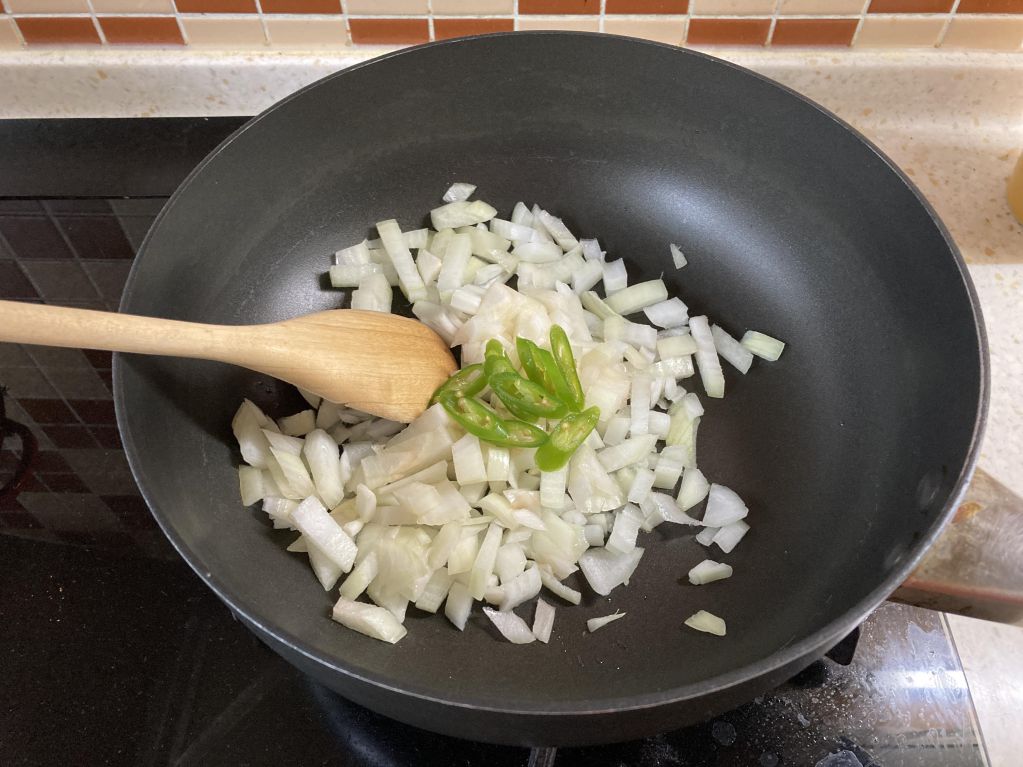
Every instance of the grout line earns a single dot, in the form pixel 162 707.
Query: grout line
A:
pixel 181 30
pixel 859 25
pixel 345 18
pixel 262 22
pixel 429 22
pixel 96 24
pixel 774 23
pixel 948 22
pixel 602 19
pixel 530 17
pixel 74 251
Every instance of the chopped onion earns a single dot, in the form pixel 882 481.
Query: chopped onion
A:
pixel 630 451
pixel 509 230
pixel 461 213
pixel 350 275
pixel 676 346
pixel 537 252
pixel 731 350
pixel 616 431
pixel 591 250
pixel 639 405
pixel 615 277
pixel 670 313
pixel 724 507
pixel 596 623
pixel 483 566
pixel 642 483
pixel 558 588
pixel 594 303
pixel 552 488
pixel 322 532
pixel 360 577
pixel 467 457
pixel 355 254
pixel 510 562
pixel 706 536
pixel 458 605
pixel 521 589
pixel 728 537
pixel 375 622
pixel 709 571
pixel 626 527
pixel 511 626
pixel 676 256
pixel 324 462
pixel 693 489
pixel 298 425
pixel 373 294
pixel 250 481
pixel 639 296
pixel 521 215
pixel 585 278
pixel 459 191
pixel 707 358
pixel 604 570
pixel 543 621
pixel 669 467
pixel 435 591
pixel 762 345
pixel 408 276
pixel 705 621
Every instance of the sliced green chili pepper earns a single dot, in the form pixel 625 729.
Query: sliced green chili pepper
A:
pixel 540 367
pixel 467 382
pixel 562 351
pixel 495 361
pixel 526 399
pixel 521 434
pixel 494 348
pixel 476 417
pixel 565 438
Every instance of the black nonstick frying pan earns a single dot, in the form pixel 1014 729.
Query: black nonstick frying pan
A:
pixel 850 451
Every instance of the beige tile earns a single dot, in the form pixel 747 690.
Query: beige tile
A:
pixel 999 34
pixel 560 23
pixel 821 7
pixel 133 6
pixel 47 6
pixel 731 7
pixel 306 33
pixel 227 34
pixel 899 32
pixel 472 7
pixel 385 7
pixel 653 29
pixel 8 37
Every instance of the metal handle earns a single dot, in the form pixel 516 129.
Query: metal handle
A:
pixel 976 567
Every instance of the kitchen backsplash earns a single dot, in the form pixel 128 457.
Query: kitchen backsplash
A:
pixel 349 24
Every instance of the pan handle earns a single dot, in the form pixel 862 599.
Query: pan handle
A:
pixel 975 568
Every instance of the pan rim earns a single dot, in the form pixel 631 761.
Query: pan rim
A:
pixel 777 660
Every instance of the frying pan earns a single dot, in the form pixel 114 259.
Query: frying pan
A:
pixel 850 451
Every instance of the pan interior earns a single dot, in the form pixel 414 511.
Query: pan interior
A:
pixel 845 449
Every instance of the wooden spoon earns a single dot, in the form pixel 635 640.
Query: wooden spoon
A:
pixel 379 363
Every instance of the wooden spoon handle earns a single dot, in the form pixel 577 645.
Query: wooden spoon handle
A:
pixel 88 329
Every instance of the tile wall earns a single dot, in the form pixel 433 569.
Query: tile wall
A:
pixel 335 24
pixel 79 489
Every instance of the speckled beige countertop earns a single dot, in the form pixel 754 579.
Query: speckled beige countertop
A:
pixel 952 121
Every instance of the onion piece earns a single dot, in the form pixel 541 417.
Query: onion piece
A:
pixel 596 623
pixel 724 507
pixel 467 457
pixel 676 256
pixel 728 537
pixel 250 482
pixel 585 278
pixel 707 358
pixel 350 275
pixel 324 462
pixel 511 231
pixel 642 484
pixel 706 536
pixel 693 489
pixel 709 571
pixel 639 405
pixel 731 350
pixel 361 576
pixel 458 605
pixel 375 622
pixel 373 294
pixel 299 424
pixel 558 588
pixel 670 313
pixel 521 215
pixel 676 346
pixel 511 626
pixel 630 451
pixel 615 277
pixel 408 276
pixel 483 566
pixel 626 527
pixel 552 488
pixel 763 345
pixel 543 621
pixel 461 213
pixel 459 191
pixel 707 622
pixel 604 570
pixel 435 591
pixel 594 303
pixel 637 297
pixel 591 250
pixel 521 589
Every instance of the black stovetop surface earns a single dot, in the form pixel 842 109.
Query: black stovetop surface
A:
pixel 112 652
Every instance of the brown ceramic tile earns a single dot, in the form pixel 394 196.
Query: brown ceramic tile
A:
pixel 910 6
pixel 133 6
pixel 107 436
pixel 48 411
pixel 21 206
pixel 899 32
pixel 301 6
pixel 47 357
pixel 563 23
pixel 99 359
pixel 389 31
pixel 94 412
pixel 51 461
pixel 305 33
pixel 447 28
pixel 131 510
pixel 109 276
pixel 33 236
pixel 17 518
pixel 82 207
pixel 57 31
pixel 26 382
pixel 80 384
pixel 8 35
pixel 141 30
pixel 70 436
pixel 13 283
pixel 647 6
pixel 65 483
pixel 106 472
pixel 990 6
pixel 13 355
pixel 728 31
pixel 582 7
pixel 62 281
pixel 814 32
pixel 96 236
pixel 820 7
pixel 984 33
pixel 216 6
